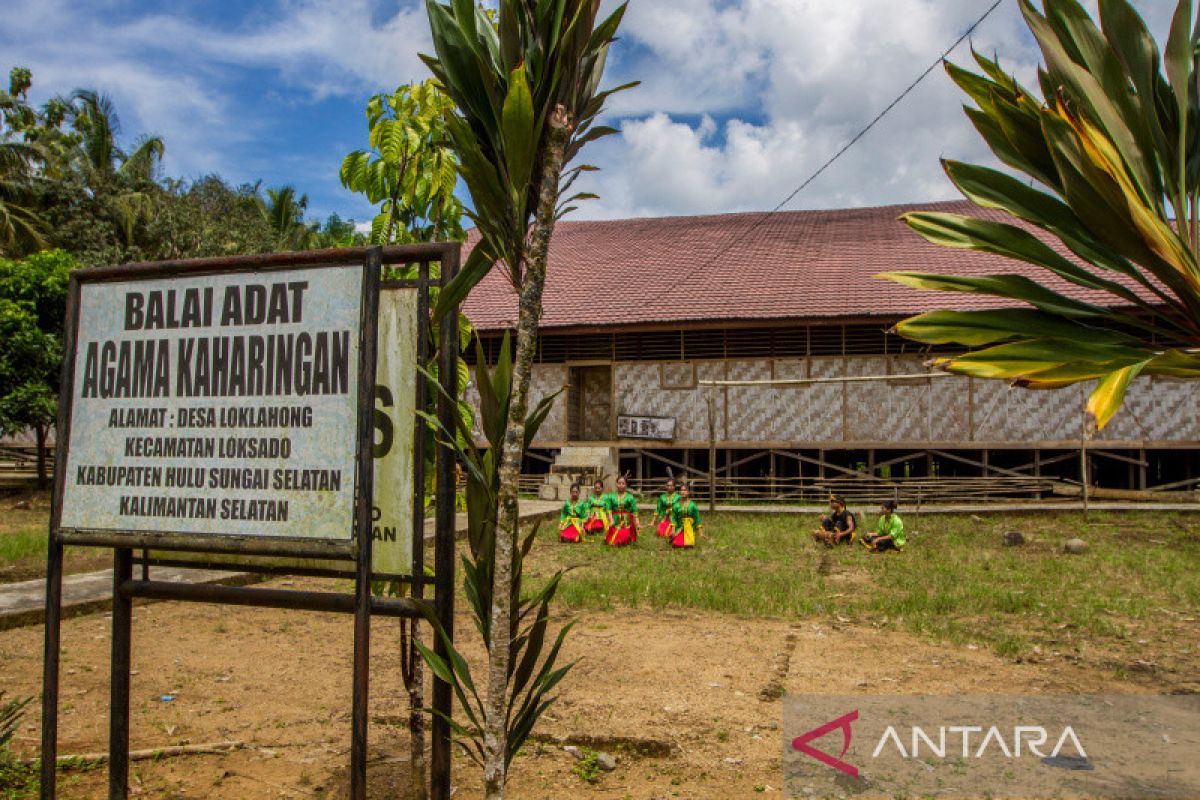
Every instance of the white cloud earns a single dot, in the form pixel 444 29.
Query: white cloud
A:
pixel 741 99
pixel 792 81
pixel 176 77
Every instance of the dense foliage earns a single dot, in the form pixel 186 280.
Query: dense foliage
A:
pixel 65 182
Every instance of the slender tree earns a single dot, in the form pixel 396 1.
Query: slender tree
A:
pixel 1111 155
pixel 526 91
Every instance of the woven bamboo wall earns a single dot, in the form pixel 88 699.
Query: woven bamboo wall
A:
pixel 941 411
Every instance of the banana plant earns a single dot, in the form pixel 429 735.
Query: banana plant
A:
pixel 1109 147
pixel 525 81
pixel 533 676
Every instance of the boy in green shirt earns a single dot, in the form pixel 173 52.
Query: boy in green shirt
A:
pixel 889 531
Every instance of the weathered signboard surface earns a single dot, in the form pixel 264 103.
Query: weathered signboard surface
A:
pixel 631 427
pixel 395 415
pixel 217 405
pixel 222 411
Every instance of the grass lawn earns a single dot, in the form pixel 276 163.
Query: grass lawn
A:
pixel 23 541
pixel 1139 580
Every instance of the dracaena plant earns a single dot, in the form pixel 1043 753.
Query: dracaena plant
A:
pixel 534 671
pixel 525 81
pixel 1112 145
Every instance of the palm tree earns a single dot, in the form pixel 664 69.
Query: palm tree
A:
pixel 21 227
pixel 1114 139
pixel 22 230
pixel 284 211
pixel 120 180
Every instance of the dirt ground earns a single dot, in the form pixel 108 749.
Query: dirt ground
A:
pixel 684 688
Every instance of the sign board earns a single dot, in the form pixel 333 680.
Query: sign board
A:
pixel 393 449
pixel 631 427
pixel 217 404
pixel 239 411
pixel 395 431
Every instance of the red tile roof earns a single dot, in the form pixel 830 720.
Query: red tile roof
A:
pixel 789 265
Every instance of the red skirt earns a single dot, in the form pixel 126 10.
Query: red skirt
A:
pixel 569 531
pixel 597 522
pixel 623 531
pixel 665 529
pixel 686 537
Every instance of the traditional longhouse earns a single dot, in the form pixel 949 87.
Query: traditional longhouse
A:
pixel 641 313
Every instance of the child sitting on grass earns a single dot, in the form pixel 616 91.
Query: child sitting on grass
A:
pixel 889 531
pixel 839 527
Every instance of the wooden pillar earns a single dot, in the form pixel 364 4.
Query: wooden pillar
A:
pixel 1142 469
pixel 1083 465
pixel 1037 469
pixel 712 454
pixel 774 484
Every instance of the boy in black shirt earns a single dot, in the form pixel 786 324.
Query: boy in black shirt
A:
pixel 838 527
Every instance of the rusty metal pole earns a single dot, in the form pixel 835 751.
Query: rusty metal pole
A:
pixel 443 554
pixel 118 713
pixel 373 266
pixel 50 659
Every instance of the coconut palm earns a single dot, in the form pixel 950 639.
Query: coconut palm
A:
pixel 283 209
pixel 121 180
pixel 22 229
pixel 1112 145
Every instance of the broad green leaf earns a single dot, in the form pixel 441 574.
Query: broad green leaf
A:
pixel 976 328
pixel 517 128
pixel 1016 287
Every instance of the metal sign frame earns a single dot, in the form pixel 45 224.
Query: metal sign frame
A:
pixel 250 551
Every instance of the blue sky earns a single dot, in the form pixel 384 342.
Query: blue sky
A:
pixel 741 99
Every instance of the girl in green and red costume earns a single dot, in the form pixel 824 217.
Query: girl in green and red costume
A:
pixel 570 519
pixel 623 505
pixel 685 517
pixel 595 510
pixel 662 512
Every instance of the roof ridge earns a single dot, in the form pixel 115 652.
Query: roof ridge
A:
pixel 729 215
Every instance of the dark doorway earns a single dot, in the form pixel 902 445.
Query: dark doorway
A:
pixel 589 412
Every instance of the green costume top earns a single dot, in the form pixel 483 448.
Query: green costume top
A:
pixel 681 510
pixel 891 525
pixel 665 503
pixel 626 502
pixel 594 503
pixel 570 510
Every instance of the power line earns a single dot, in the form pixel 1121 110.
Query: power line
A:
pixel 854 139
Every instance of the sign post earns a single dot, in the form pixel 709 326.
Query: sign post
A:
pixel 225 411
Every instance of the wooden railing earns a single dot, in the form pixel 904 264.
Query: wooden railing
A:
pixel 856 490
pixel 18 466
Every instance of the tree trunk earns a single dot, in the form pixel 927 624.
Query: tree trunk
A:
pixel 40 432
pixel 495 738
pixel 414 685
